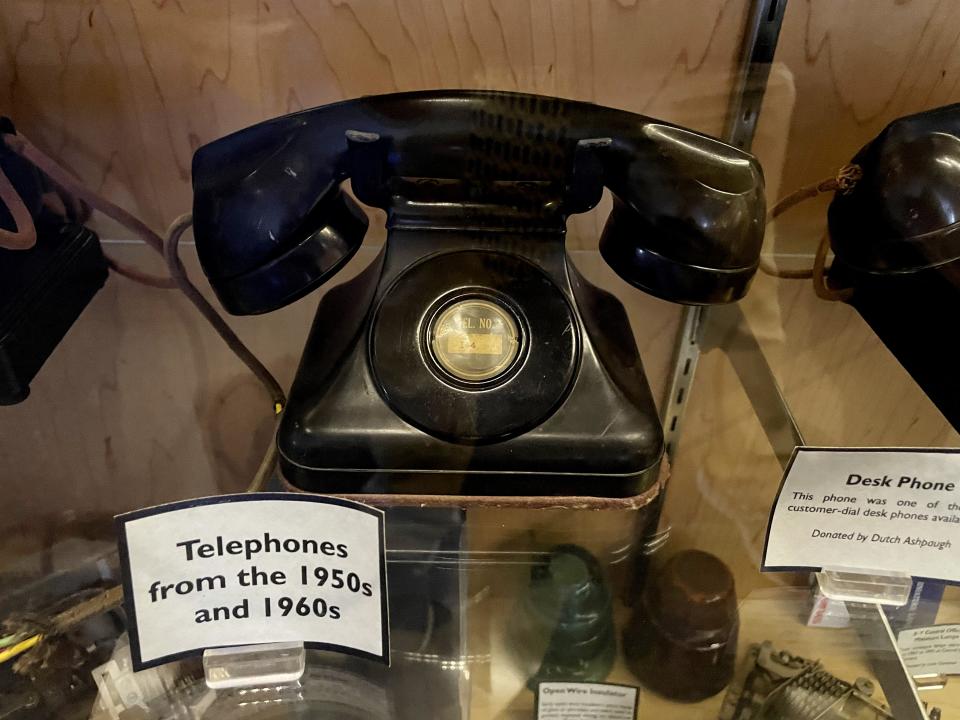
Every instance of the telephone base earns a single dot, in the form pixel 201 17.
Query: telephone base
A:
pixel 371 411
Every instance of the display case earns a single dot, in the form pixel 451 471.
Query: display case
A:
pixel 517 276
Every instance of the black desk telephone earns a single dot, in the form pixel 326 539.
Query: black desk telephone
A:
pixel 471 356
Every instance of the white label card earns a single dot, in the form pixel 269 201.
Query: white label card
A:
pixel 871 509
pixel 586 701
pixel 933 650
pixel 254 568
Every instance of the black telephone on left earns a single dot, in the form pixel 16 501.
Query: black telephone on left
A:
pixel 471 356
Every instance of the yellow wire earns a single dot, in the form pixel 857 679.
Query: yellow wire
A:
pixel 20 647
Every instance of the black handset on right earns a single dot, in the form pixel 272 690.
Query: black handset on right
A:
pixel 471 356
pixel 896 238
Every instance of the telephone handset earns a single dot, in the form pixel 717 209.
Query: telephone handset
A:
pixel 895 235
pixel 471 356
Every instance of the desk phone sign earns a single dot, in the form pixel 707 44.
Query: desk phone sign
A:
pixel 872 509
pixel 254 568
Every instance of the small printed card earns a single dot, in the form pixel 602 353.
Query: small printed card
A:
pixel 254 568
pixel 933 650
pixel 872 509
pixel 585 701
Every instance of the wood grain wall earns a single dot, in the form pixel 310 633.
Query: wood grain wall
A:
pixel 142 404
pixel 125 91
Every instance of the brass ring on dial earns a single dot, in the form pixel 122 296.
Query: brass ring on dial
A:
pixel 475 340
pixel 418 389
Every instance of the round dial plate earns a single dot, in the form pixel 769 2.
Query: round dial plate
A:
pixel 436 383
pixel 474 340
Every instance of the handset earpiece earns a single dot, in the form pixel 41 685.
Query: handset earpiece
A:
pixel 270 219
pixel 895 235
pixel 903 214
pixel 688 217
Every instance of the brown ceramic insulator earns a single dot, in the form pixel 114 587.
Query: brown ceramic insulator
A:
pixel 682 640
